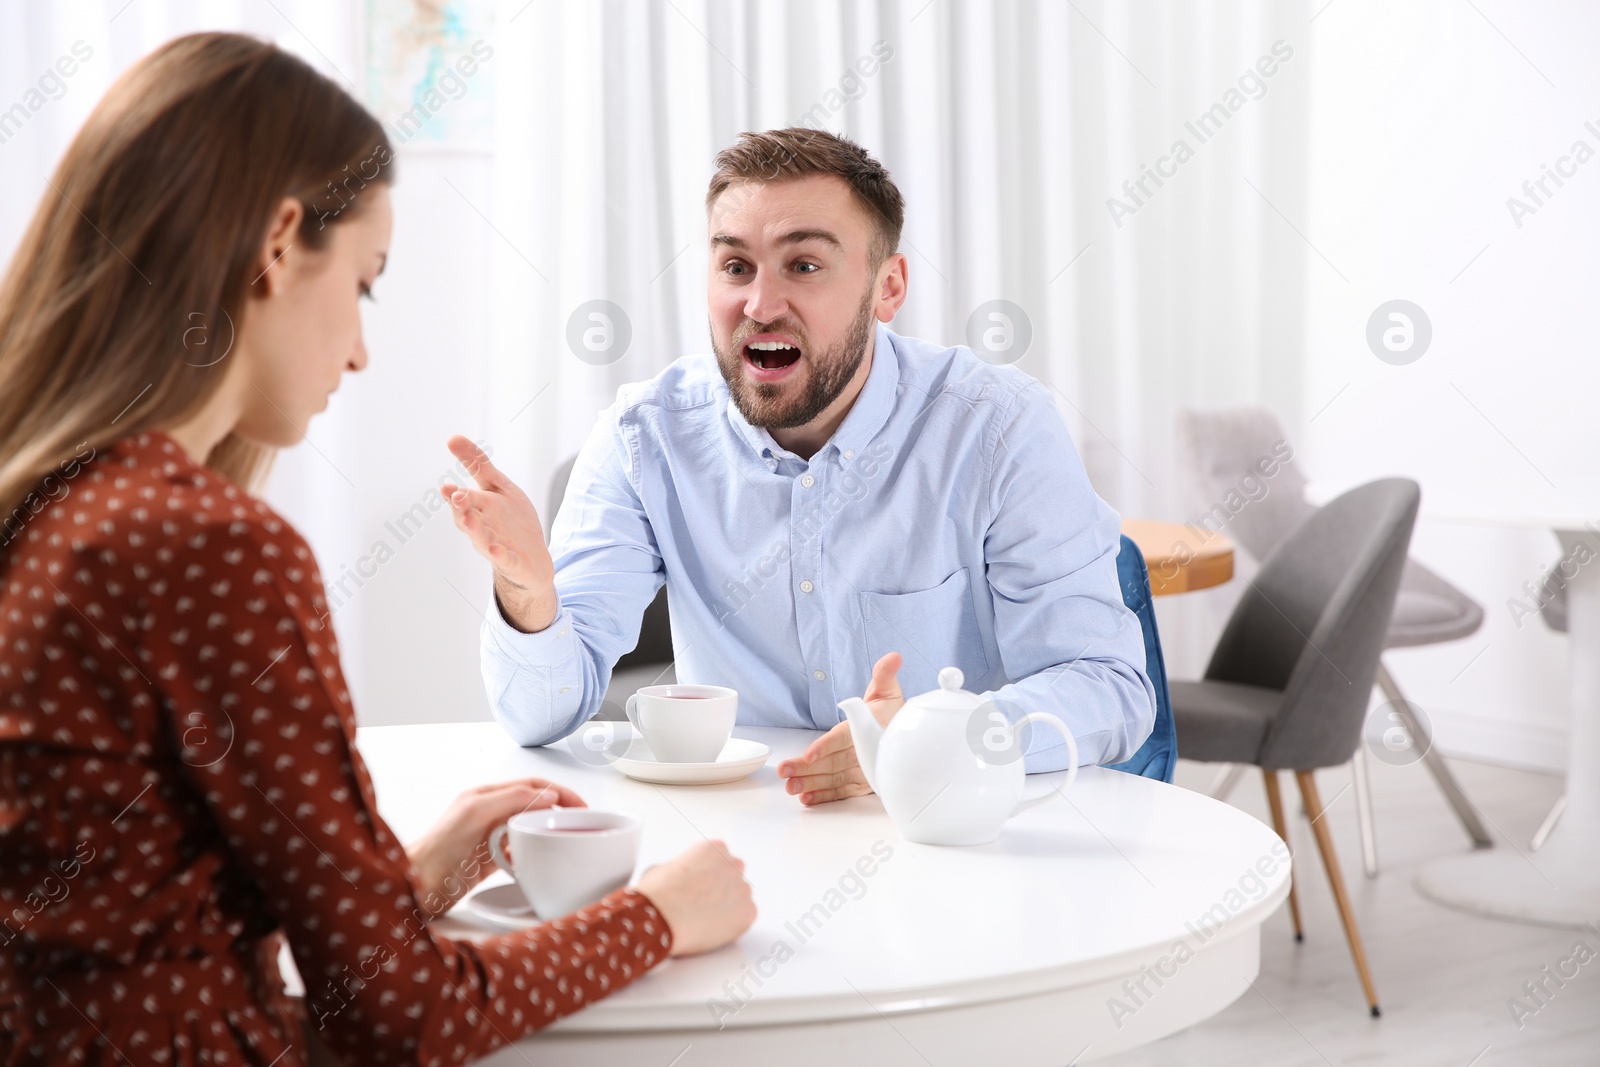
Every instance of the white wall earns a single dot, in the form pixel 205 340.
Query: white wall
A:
pixel 1426 119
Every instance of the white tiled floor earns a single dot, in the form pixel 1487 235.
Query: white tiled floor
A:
pixel 1444 978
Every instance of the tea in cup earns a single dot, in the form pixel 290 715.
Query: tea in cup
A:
pixel 684 723
pixel 564 858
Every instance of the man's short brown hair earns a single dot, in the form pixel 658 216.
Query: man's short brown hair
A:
pixel 796 152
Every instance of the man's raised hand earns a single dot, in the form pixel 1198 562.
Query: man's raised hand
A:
pixel 502 524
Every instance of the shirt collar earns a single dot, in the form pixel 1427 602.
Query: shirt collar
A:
pixel 876 399
pixel 865 417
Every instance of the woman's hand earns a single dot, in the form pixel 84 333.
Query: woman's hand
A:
pixel 702 895
pixel 453 857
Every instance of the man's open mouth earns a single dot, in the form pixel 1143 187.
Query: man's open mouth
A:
pixel 770 359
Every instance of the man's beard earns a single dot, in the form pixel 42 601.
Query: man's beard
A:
pixel 761 403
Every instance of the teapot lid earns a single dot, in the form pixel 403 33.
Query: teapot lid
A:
pixel 949 696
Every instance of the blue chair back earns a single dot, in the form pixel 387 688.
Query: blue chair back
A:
pixel 1158 756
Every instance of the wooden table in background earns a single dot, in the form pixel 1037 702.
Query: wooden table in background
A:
pixel 1180 558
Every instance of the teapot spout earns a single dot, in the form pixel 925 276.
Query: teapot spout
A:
pixel 865 733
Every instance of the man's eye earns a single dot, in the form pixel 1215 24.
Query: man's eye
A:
pixel 813 267
pixel 734 267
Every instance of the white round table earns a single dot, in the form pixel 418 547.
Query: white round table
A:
pixel 1104 919
pixel 1559 885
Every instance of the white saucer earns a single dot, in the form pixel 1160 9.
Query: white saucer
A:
pixel 503 906
pixel 739 759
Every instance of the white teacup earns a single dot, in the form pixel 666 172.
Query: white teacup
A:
pixel 684 723
pixel 564 858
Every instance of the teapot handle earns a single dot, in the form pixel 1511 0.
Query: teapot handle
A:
pixel 1072 756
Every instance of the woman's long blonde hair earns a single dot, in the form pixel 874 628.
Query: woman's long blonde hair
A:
pixel 133 272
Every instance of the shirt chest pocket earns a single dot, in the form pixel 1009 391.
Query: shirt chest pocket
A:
pixel 931 629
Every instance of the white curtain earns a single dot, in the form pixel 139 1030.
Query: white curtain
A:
pixel 1007 126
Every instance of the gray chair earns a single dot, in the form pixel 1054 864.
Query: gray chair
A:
pixel 1288 682
pixel 1553 610
pixel 651 660
pixel 1553 605
pixel 1224 449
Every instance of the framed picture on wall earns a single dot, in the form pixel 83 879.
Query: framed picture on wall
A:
pixel 429 71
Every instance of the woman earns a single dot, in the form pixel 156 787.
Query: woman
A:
pixel 179 786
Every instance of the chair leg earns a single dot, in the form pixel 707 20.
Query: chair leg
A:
pixel 1330 862
pixel 1226 781
pixel 1275 803
pixel 1369 833
pixel 1549 822
pixel 1435 762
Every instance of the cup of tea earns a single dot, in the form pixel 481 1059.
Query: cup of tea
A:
pixel 684 723
pixel 564 858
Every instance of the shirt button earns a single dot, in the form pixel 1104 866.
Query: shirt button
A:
pixel 819 675
pixel 849 453
pixel 807 481
pixel 566 689
pixel 806 586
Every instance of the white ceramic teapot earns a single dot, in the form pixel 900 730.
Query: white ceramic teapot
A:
pixel 948 766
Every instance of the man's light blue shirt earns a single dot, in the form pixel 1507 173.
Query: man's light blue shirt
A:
pixel 948 519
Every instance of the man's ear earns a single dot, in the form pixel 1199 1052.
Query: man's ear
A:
pixel 891 287
pixel 280 237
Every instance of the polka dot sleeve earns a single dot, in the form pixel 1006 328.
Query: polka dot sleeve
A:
pixel 264 733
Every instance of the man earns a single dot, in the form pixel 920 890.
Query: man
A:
pixel 820 495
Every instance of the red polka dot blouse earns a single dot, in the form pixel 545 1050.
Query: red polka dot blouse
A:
pixel 179 788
